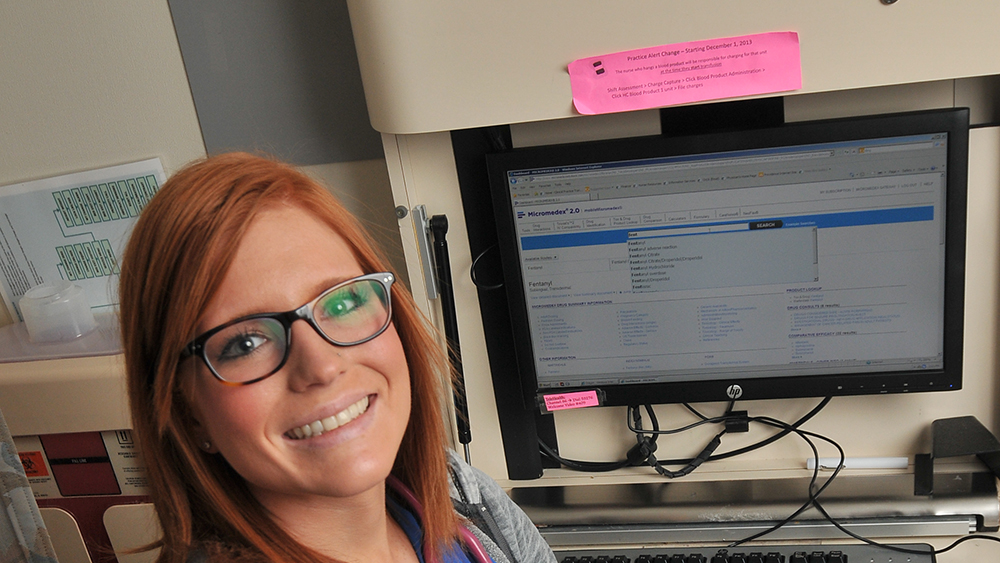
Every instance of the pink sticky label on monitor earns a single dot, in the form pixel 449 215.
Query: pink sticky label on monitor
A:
pixel 577 400
pixel 687 72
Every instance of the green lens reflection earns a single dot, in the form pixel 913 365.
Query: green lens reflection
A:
pixel 353 312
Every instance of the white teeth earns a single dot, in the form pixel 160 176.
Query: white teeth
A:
pixel 343 417
pixel 329 423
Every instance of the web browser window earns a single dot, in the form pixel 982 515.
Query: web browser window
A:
pixel 824 258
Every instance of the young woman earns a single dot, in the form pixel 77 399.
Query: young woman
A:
pixel 285 391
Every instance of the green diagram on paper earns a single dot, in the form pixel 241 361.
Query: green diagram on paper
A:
pixel 88 260
pixel 104 202
pixel 99 203
pixel 72 227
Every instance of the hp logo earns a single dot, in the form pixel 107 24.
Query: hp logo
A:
pixel 734 392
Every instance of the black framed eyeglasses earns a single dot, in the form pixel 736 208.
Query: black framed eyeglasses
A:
pixel 251 348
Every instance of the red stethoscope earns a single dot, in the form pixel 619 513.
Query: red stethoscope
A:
pixel 472 543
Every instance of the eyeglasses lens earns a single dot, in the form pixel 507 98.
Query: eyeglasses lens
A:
pixel 247 350
pixel 251 349
pixel 352 313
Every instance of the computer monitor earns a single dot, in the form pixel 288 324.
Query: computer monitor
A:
pixel 805 260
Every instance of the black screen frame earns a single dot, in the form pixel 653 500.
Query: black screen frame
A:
pixel 954 121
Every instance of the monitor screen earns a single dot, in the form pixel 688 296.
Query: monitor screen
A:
pixel 811 259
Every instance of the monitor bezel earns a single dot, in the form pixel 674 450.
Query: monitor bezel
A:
pixel 954 121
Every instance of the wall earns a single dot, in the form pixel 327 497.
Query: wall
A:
pixel 100 83
pixel 282 78
pixel 88 85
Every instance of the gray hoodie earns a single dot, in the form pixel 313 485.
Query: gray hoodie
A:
pixel 504 530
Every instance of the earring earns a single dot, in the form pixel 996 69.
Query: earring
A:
pixel 206 445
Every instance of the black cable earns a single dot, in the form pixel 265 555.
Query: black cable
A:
pixel 637 417
pixel 762 443
pixel 704 420
pixel 635 425
pixel 964 539
pixel 729 409
pixel 813 500
pixel 693 411
pixel 776 437
pixel 635 456
pixel 647 445
pixel 718 419
pixel 472 271
pixel 860 538
pixel 705 454
pixel 819 507
pixel 812 482
pixel 585 466
pixel 600 467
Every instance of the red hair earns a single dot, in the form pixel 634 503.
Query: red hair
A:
pixel 177 255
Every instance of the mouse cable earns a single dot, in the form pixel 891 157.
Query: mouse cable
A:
pixel 874 543
pixel 964 539
pixel 656 427
pixel 647 445
pixel 814 501
pixel 836 523
pixel 813 493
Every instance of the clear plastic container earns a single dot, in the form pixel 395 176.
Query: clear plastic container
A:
pixel 56 312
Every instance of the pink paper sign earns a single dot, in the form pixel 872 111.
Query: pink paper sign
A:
pixel 687 72
pixel 577 400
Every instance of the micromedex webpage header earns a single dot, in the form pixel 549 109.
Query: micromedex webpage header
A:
pixel 812 259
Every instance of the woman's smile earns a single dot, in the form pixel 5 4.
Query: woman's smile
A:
pixel 319 427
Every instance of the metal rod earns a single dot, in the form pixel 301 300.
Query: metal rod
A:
pixel 439 227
